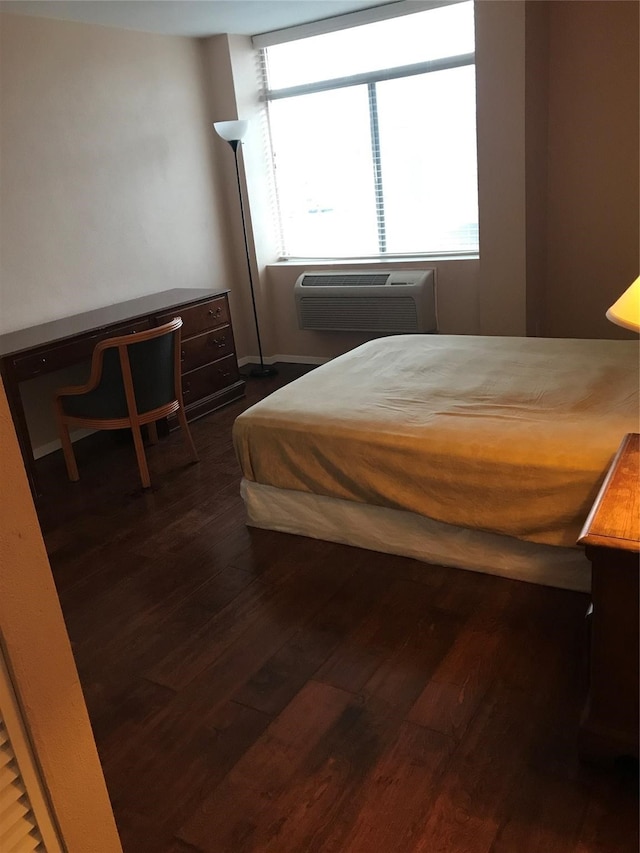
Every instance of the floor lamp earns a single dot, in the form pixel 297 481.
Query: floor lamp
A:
pixel 233 132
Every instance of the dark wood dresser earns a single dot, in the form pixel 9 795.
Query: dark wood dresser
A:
pixel 210 372
pixel 611 536
pixel 210 375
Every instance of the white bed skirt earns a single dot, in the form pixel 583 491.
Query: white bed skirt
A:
pixel 393 531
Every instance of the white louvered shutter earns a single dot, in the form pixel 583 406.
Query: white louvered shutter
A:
pixel 25 821
pixel 18 829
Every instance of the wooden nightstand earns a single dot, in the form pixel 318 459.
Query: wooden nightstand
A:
pixel 611 536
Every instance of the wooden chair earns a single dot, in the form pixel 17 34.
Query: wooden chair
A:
pixel 135 379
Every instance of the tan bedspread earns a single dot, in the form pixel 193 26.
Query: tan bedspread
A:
pixel 509 435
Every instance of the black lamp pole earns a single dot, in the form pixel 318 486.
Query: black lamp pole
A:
pixel 264 370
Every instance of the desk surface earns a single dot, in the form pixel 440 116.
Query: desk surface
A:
pixel 68 327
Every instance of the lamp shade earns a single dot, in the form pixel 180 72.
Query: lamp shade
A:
pixel 231 131
pixel 626 310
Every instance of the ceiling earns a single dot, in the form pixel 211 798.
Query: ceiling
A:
pixel 190 17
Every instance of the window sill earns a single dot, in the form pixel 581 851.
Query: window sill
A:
pixel 364 263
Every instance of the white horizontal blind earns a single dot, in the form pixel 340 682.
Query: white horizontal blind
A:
pixel 21 794
pixel 373 138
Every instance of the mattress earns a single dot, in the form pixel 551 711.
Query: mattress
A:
pixel 510 436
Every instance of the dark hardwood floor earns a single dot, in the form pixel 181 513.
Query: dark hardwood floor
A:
pixel 254 691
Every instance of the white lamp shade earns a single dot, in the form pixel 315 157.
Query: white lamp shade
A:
pixel 626 310
pixel 231 131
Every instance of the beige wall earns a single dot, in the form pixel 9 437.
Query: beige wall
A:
pixel 500 86
pixel 108 190
pixel 234 85
pixel 37 649
pixel 536 140
pixel 262 233
pixel 593 188
pixel 219 70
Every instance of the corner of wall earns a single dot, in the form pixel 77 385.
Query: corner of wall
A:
pixel 500 91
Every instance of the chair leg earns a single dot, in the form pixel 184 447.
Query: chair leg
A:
pixel 67 446
pixel 142 459
pixel 184 426
pixel 152 430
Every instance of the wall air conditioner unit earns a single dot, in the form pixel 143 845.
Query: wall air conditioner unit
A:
pixel 364 301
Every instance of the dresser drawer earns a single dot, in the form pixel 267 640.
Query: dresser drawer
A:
pixel 209 379
pixel 206 348
pixel 62 355
pixel 200 318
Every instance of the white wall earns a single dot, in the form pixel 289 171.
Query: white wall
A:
pixel 108 190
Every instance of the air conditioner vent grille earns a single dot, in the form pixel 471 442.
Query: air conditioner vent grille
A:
pixel 367 301
pixel 346 280
pixel 355 313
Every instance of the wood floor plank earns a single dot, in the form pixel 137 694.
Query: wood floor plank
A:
pixel 110 674
pixel 369 643
pixel 263 609
pixel 461 680
pixel 210 744
pixel 244 806
pixel 466 813
pixel 276 683
pixel 471 806
pixel 395 801
pixel 544 813
pixel 141 834
pixel 145 595
pixel 401 677
pixel 334 785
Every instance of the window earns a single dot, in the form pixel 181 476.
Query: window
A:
pixel 373 137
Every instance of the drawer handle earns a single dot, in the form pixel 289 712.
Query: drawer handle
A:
pixel 215 313
pixel 186 388
pixel 220 343
pixel 224 373
pixel 182 356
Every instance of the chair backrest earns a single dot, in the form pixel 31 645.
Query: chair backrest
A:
pixel 139 371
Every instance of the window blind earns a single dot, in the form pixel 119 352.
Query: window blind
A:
pixel 372 138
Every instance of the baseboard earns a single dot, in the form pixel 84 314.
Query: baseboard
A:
pixel 286 359
pixel 52 446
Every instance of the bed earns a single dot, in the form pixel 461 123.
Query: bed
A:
pixel 482 453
